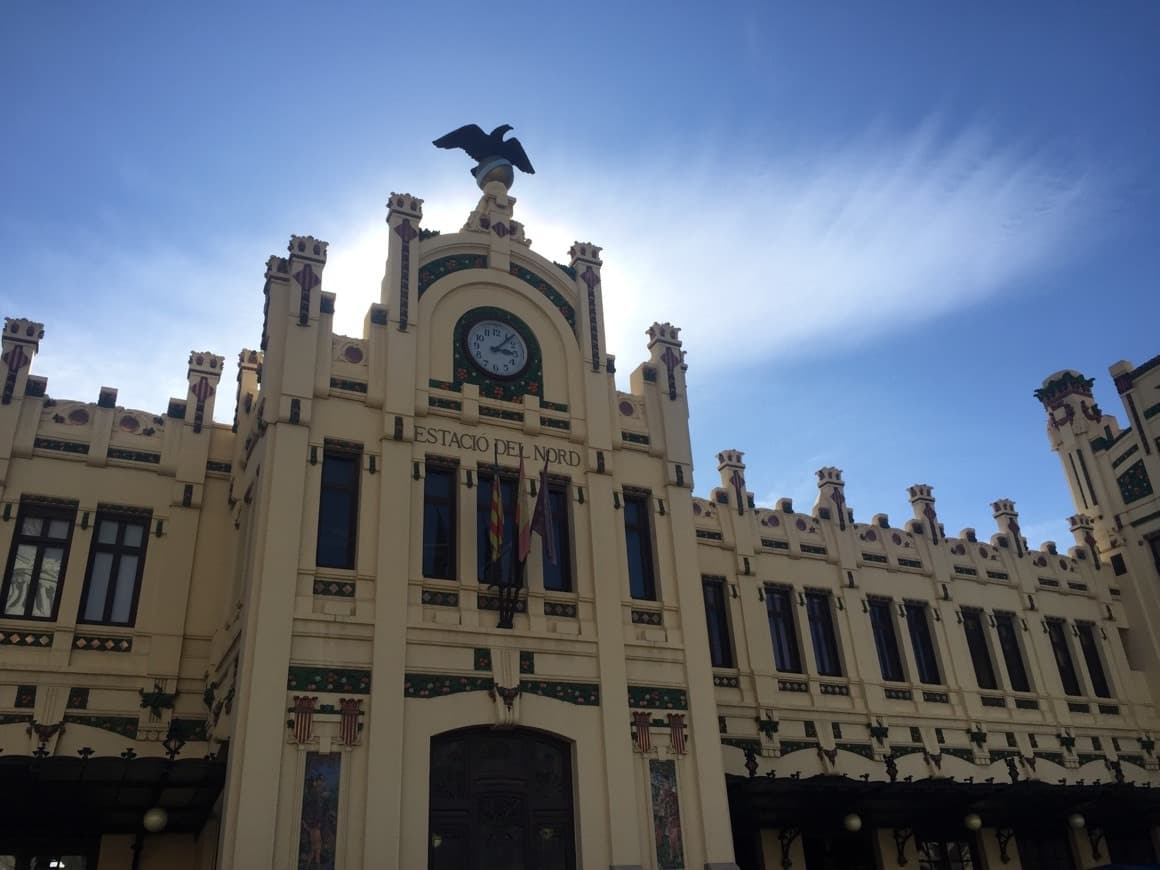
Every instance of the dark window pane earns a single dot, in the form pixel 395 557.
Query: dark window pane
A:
pixel 1012 654
pixel 822 634
pixel 720 650
pixel 1091 655
pixel 977 644
pixel 508 564
pixel 36 561
pixel 638 539
pixel 1056 632
pixel 114 572
pixel 1043 850
pixel 779 610
pixel 918 625
pixel 338 509
pixel 558 577
pixel 439 523
pixel 885 639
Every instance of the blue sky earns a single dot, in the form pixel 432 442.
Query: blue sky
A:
pixel 890 221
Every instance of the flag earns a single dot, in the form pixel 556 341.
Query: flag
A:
pixel 542 517
pixel 523 521
pixel 677 732
pixel 495 528
pixel 640 733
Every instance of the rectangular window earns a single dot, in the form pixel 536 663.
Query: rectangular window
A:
pixel 977 644
pixel 885 638
pixel 720 650
pixel 638 538
pixel 1118 566
pixel 1057 632
pixel 1091 655
pixel 1012 653
pixel 918 624
pixel 558 577
pixel 116 562
pixel 822 634
pixel 338 506
pixel 37 560
pixel 439 487
pixel 946 855
pixel 508 563
pixel 779 609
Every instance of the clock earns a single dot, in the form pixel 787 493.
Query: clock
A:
pixel 496 348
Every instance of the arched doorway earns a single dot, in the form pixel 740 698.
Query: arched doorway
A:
pixel 500 800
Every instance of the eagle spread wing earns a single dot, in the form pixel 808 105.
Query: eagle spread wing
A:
pixel 470 138
pixel 514 153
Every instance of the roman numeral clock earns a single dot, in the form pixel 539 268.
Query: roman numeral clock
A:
pixel 497 351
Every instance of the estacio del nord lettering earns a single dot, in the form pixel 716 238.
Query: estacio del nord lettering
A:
pixel 480 443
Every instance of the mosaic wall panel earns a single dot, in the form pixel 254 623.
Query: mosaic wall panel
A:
pixel 666 815
pixel 347 680
pixel 318 837
pixel 1134 483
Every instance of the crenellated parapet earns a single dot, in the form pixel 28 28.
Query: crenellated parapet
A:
pixel 21 341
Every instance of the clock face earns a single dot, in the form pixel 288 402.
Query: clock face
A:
pixel 498 349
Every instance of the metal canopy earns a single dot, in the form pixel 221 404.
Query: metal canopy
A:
pixel 86 796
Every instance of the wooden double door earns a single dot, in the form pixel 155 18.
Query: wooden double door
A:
pixel 500 800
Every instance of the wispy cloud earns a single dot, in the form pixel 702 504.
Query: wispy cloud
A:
pixel 770 256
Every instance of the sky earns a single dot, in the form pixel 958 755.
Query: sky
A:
pixel 879 225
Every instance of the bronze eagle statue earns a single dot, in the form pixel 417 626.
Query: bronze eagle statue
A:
pixel 482 147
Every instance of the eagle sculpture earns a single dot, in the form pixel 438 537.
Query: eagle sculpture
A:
pixel 485 147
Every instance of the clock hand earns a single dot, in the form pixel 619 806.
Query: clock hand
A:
pixel 502 343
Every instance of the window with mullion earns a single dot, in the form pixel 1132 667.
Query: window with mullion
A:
pixel 886 639
pixel 825 641
pixel 37 561
pixel 639 543
pixel 116 563
pixel 508 563
pixel 782 630
pixel 977 645
pixel 918 625
pixel 338 506
pixel 558 577
pixel 1091 655
pixel 1012 652
pixel 1057 633
pixel 439 485
pixel 717 618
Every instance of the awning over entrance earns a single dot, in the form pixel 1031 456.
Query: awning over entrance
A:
pixel 89 796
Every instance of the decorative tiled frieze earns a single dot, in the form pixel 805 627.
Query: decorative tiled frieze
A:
pixel 773 544
pixel 78 698
pixel 726 681
pixel 583 694
pixel 657 698
pixel 353 681
pixel 126 726
pixel 336 588
pixel 561 407
pixel 793 686
pixel 560 608
pixel 103 643
pixel 481 660
pixel 25 697
pixel 436 384
pixel 60 446
pixel 1134 483
pixel 965 571
pixel 500 414
pixel 899 694
pixel 438 685
pixel 551 423
pixel 13 718
pixel 834 688
pixel 445 404
pixel 348 385
pixel 440 598
pixel 491 602
pixel 788 746
pixel 188 729
pixel 550 293
pixel 812 550
pixel 134 456
pixel 706 535
pixel 745 744
pixel 863 749
pixel 26 638
pixel 1026 704
pixel 910 563
pixel 219 467
pixel 998 575
pixel 647 617
pixel 437 269
pixel 527 662
pixel 874 557
pixel 634 438
pixel 936 697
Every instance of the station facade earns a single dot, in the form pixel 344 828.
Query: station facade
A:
pixel 275 644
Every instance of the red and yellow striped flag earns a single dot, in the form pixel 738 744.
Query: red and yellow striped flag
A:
pixel 495 528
